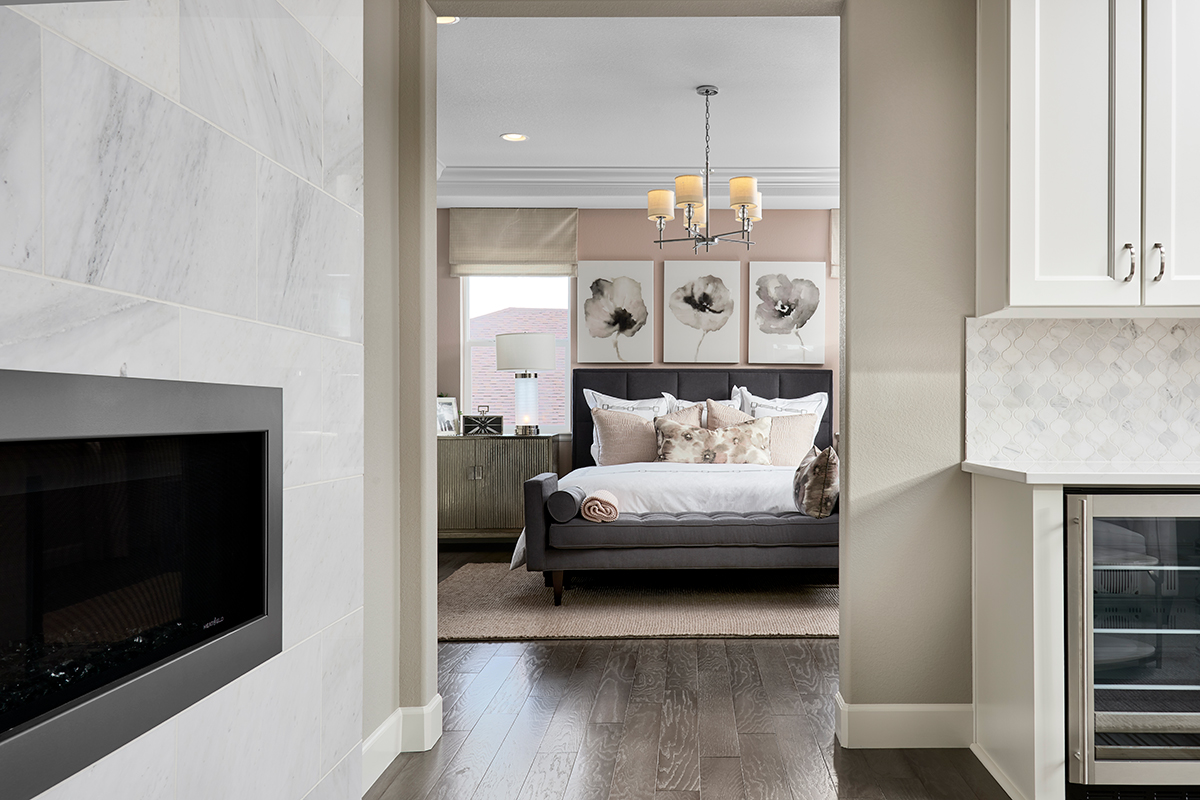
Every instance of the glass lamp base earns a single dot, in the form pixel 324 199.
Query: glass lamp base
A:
pixel 526 430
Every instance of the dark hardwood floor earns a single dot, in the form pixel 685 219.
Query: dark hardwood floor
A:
pixel 656 719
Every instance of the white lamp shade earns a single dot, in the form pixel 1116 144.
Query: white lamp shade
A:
pixel 689 190
pixel 525 352
pixel 756 212
pixel 700 215
pixel 742 190
pixel 660 204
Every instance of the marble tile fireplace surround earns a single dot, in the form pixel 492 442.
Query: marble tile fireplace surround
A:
pixel 1083 390
pixel 182 200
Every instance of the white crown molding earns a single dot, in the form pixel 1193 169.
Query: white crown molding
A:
pixel 621 187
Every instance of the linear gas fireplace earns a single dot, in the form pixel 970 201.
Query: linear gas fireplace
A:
pixel 140 558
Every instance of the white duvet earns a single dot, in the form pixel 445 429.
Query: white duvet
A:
pixel 676 488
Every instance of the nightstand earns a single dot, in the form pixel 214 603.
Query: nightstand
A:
pixel 481 483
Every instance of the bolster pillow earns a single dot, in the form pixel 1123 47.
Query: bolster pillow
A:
pixel 564 504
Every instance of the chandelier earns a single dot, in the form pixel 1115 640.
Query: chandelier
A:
pixel 691 194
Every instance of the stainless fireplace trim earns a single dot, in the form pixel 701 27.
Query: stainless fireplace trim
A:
pixel 39 405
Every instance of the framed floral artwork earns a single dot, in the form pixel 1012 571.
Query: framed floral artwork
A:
pixel 702 304
pixel 616 301
pixel 787 312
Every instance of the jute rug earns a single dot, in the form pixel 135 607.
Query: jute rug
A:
pixel 489 602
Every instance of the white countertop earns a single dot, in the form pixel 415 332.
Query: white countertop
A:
pixel 1086 473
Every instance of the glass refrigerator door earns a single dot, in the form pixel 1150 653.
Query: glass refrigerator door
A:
pixel 1134 630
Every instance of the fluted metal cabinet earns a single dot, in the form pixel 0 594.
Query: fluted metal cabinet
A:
pixel 480 481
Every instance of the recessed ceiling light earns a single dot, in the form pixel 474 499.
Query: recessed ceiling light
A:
pixel 513 137
pixel 447 20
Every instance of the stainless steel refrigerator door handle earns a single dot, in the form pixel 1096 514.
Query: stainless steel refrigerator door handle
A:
pixel 1132 261
pixel 1162 261
pixel 1079 647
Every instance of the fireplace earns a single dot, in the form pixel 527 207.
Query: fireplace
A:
pixel 140 558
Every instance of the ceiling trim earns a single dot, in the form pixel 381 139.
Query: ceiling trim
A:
pixel 637 8
pixel 621 187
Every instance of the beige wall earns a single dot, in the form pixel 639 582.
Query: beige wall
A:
pixel 626 235
pixel 908 223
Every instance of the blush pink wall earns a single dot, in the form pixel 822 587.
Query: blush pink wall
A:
pixel 626 235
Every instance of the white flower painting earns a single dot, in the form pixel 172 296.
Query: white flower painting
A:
pixel 702 304
pixel 787 318
pixel 614 312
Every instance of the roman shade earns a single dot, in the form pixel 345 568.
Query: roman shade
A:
pixel 513 241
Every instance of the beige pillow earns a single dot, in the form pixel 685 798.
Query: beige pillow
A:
pixel 627 438
pixel 792 435
pixel 749 443
pixel 817 484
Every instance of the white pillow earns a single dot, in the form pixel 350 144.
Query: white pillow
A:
pixel 680 405
pixel 757 406
pixel 647 409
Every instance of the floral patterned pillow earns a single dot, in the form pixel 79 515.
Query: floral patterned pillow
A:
pixel 748 443
pixel 817 484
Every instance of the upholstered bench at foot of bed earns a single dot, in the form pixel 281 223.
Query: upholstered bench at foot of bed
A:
pixel 672 541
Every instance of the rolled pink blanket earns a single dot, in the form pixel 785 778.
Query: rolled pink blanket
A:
pixel 600 506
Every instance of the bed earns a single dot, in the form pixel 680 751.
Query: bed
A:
pixel 746 537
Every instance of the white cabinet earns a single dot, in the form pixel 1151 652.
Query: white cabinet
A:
pixel 1096 175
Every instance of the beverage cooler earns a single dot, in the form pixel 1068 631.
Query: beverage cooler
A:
pixel 1133 644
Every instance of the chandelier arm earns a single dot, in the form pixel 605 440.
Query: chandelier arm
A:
pixel 730 233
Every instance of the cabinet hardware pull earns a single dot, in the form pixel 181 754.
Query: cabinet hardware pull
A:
pixel 1132 261
pixel 1162 261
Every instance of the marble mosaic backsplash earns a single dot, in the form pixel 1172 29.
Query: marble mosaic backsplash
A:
pixel 1083 390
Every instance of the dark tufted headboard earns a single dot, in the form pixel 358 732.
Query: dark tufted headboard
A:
pixel 690 384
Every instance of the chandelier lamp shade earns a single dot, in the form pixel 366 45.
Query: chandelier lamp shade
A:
pixel 692 196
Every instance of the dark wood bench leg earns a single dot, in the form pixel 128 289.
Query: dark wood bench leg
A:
pixel 558 586
pixel 546 577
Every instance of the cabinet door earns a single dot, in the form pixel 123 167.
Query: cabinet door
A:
pixel 1172 240
pixel 507 463
pixel 457 460
pixel 1074 152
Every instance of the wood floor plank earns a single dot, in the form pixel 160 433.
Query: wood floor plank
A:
pixel 763 772
pixel 975 774
pixel 821 711
pixel 751 706
pixel 676 796
pixel 463 773
pixel 508 770
pixel 513 648
pixel 636 773
pixel 474 700
pixel 592 775
pixel 777 678
pixel 478 657
pixel 450 654
pixel 412 775
pixel 650 678
pixel 889 763
pixel 851 775
pixel 557 673
pixel 903 789
pixel 810 673
pixel 802 759
pixel 616 684
pixel 939 774
pixel 679 737
pixel 547 778
pixel 718 726
pixel 569 725
pixel 721 779
pixel 453 685
pixel 510 697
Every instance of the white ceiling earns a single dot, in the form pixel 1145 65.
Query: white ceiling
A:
pixel 610 108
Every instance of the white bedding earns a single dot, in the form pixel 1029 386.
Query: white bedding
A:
pixel 676 488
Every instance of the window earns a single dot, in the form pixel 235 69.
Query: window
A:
pixel 495 304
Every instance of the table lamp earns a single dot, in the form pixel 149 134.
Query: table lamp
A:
pixel 525 354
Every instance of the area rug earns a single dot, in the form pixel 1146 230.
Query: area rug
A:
pixel 481 602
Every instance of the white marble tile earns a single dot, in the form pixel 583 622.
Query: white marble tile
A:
pixel 338 26
pixel 142 196
pixel 252 69
pixel 310 257
pixel 343 154
pixel 47 325
pixel 341 689
pixel 322 556
pixel 341 409
pixel 344 782
pixel 140 37
pixel 144 769
pixel 218 349
pixel 21 143
pixel 259 737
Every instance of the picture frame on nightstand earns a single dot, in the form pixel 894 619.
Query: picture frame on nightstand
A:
pixel 447 416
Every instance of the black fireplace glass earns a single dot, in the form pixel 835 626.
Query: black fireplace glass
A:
pixel 119 553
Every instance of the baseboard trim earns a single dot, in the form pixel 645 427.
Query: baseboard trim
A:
pixel 991 766
pixel 411 729
pixel 898 725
